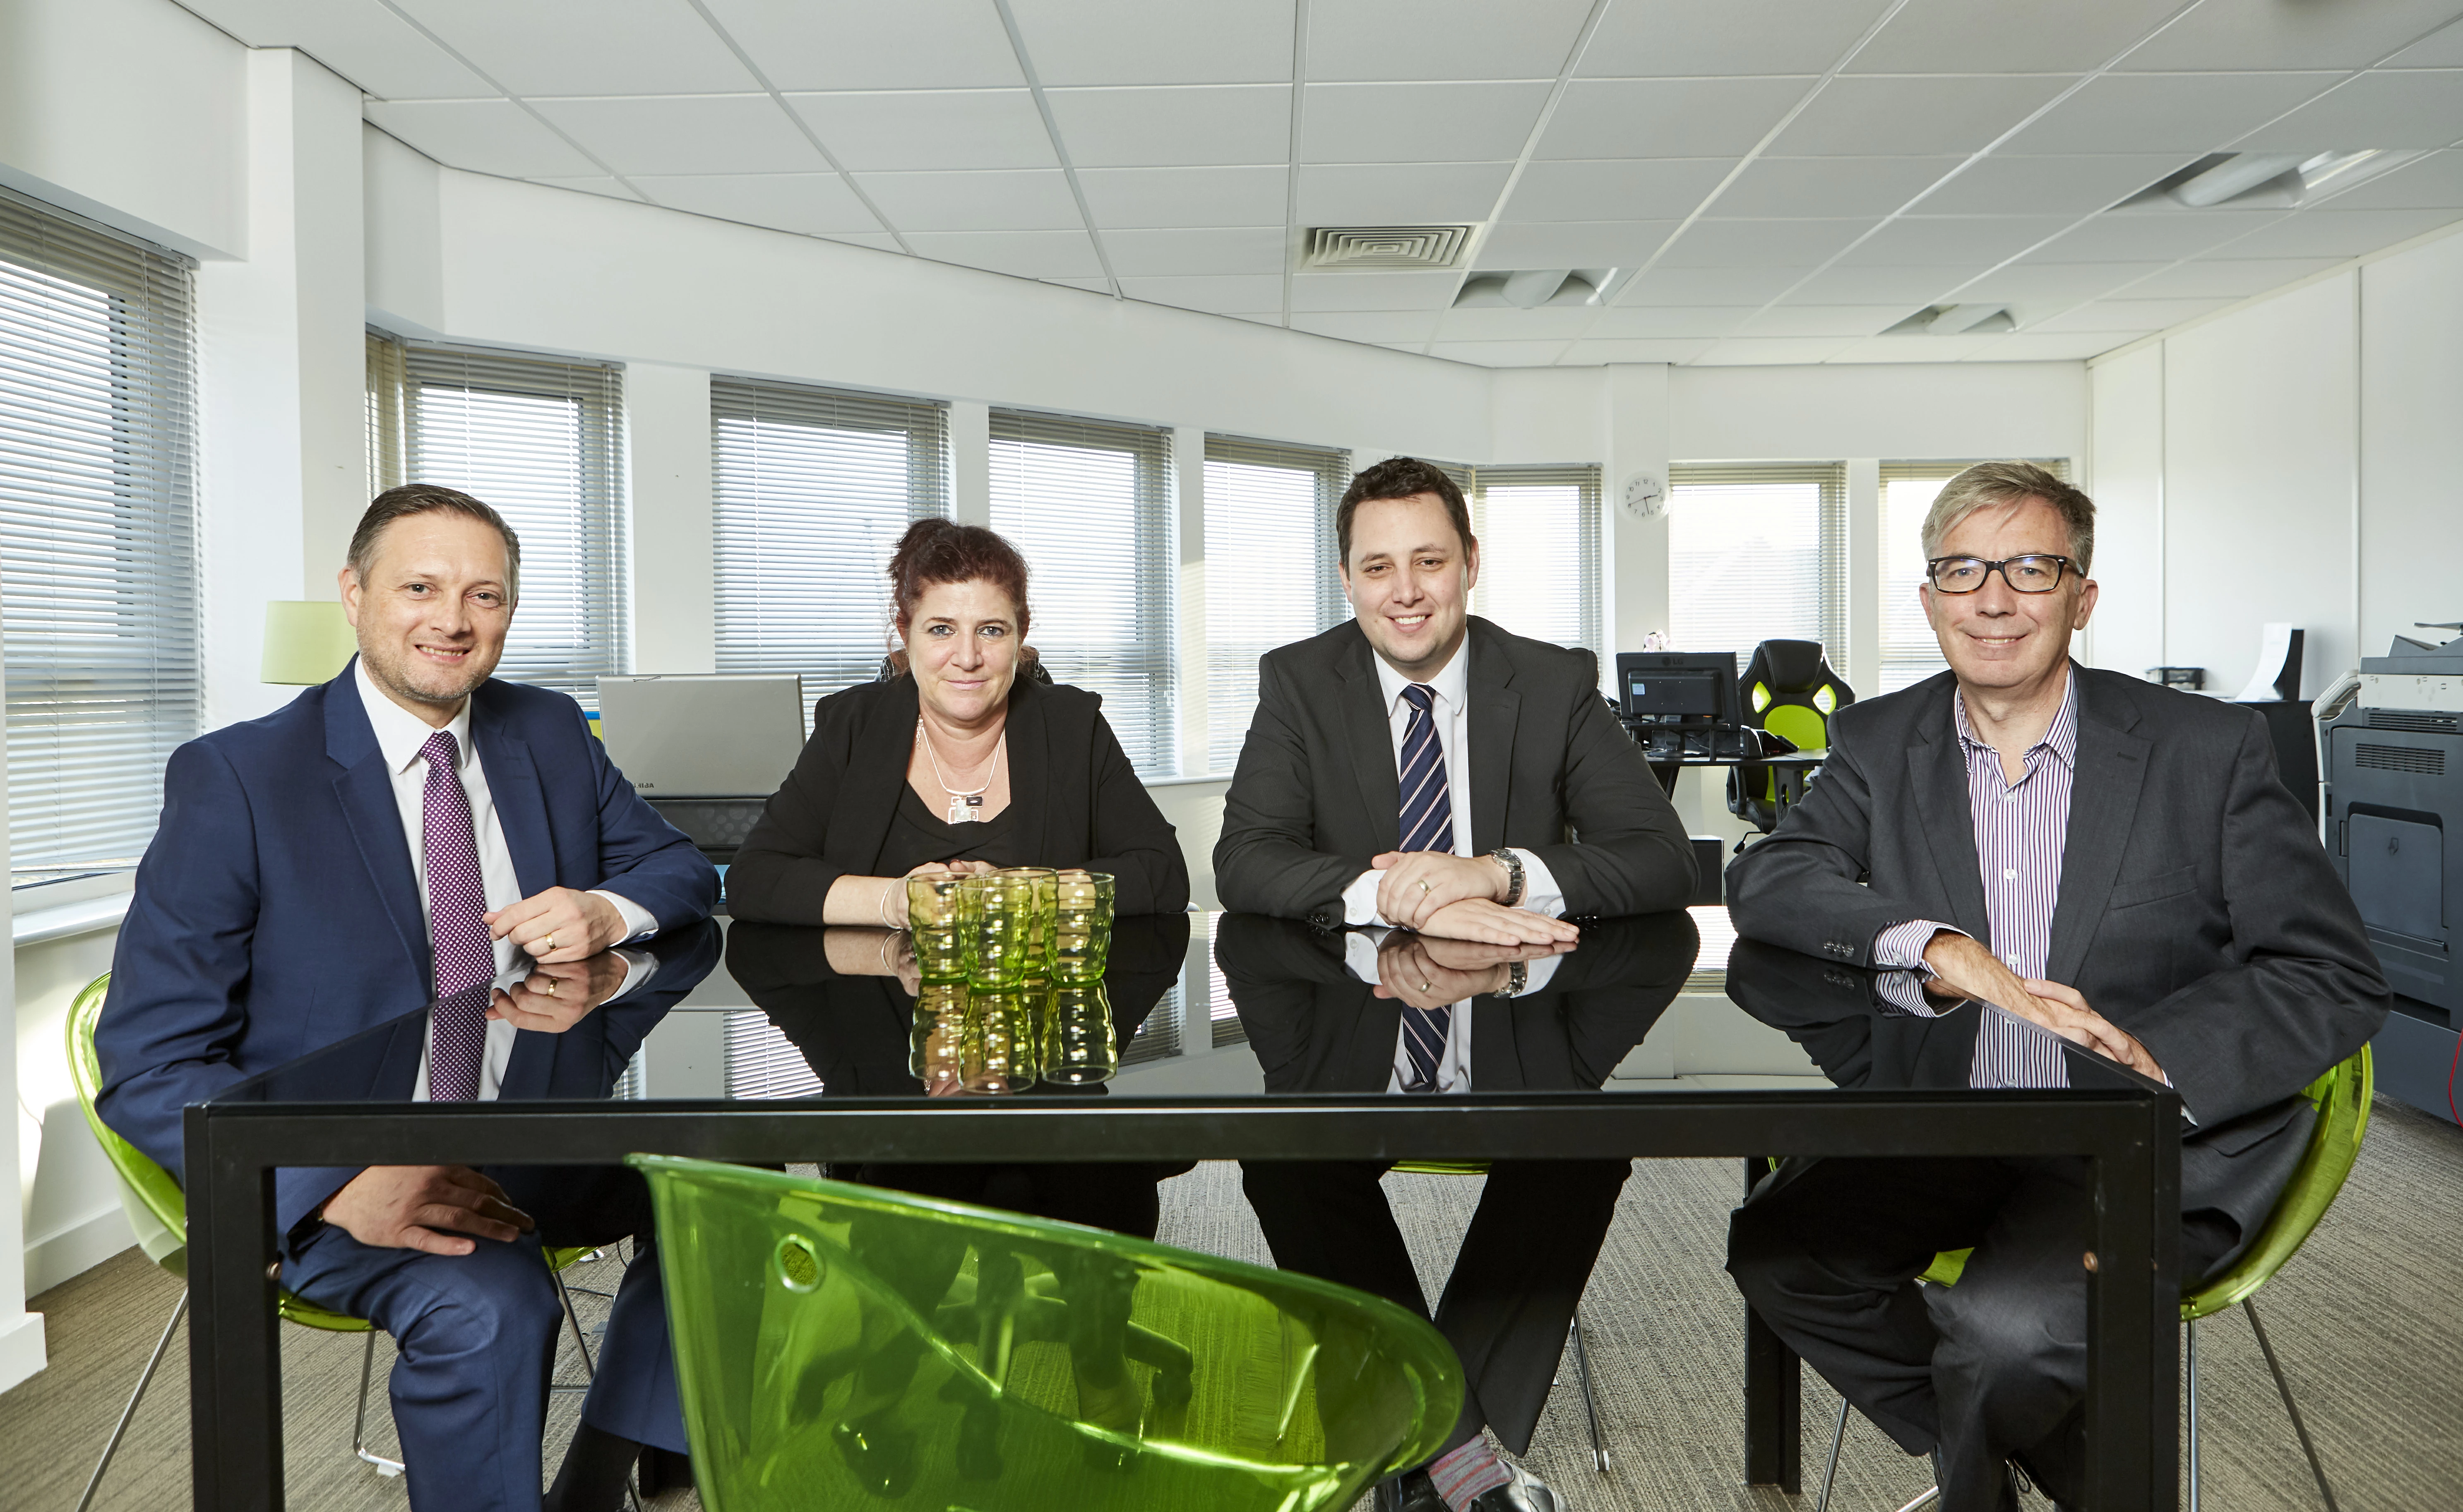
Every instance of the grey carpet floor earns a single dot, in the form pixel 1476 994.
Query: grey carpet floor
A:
pixel 2365 1320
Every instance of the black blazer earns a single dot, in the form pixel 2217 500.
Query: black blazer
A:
pixel 1317 795
pixel 1079 802
pixel 2197 909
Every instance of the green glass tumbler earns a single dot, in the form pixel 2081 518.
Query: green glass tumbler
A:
pixel 1082 933
pixel 936 909
pixel 1038 961
pixel 1078 1045
pixel 999 1049
pixel 939 1056
pixel 999 929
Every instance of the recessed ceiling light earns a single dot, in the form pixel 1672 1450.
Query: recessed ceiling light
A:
pixel 1957 319
pixel 1532 288
pixel 2268 180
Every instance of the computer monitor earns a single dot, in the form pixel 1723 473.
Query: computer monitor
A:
pixel 1678 688
pixel 703 736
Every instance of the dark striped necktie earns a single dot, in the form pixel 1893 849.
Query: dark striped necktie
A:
pixel 1427 825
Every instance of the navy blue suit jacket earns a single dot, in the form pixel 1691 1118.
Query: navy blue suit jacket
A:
pixel 276 911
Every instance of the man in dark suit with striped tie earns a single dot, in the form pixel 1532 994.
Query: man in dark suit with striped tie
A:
pixel 1417 769
pixel 2102 860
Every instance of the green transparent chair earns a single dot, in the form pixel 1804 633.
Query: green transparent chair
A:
pixel 158 1213
pixel 1577 1344
pixel 2341 1098
pixel 850 1347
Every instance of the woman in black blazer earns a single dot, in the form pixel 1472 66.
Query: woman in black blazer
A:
pixel 957 765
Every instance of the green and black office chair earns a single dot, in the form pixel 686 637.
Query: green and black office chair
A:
pixel 1790 691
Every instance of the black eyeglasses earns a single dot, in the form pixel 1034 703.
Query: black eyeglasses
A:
pixel 2023 574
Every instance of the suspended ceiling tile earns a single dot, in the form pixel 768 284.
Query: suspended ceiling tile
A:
pixel 1572 244
pixel 2375 110
pixel 814 204
pixel 593 184
pixel 1508 324
pixel 587 47
pixel 1666 117
pixel 1669 38
pixel 1919 240
pixel 1373 291
pixel 1391 39
pixel 888 132
pixel 1913 286
pixel 2185 113
pixel 1243 250
pixel 2155 235
pixel 1214 294
pixel 1914 116
pixel 1468 122
pixel 484 136
pixel 686 133
pixel 913 44
pixel 2128 315
pixel 2226 277
pixel 2032 346
pixel 876 241
pixel 1399 193
pixel 1380 326
pixel 1138 128
pixel 2332 233
pixel 1689 321
pixel 1139 42
pixel 999 200
pixel 1918 348
pixel 1769 351
pixel 1499 354
pixel 359 39
pixel 2274 34
pixel 2069 184
pixel 1211 196
pixel 2434 182
pixel 1637 349
pixel 1824 319
pixel 1026 255
pixel 1636 188
pixel 1709 286
pixel 1867 186
pixel 1761 243
pixel 2048 286
pixel 1961 37
pixel 2441 49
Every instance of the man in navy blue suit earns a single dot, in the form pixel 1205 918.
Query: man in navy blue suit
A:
pixel 415 830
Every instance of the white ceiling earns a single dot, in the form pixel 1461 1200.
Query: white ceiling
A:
pixel 1776 181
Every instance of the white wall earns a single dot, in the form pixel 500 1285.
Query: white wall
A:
pixel 2411 403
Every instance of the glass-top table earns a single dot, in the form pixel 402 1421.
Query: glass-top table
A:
pixel 1217 1037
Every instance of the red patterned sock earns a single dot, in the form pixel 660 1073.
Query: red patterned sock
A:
pixel 1464 1473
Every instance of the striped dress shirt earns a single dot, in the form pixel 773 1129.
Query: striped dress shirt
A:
pixel 2021 832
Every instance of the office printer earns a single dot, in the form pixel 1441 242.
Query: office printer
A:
pixel 2390 758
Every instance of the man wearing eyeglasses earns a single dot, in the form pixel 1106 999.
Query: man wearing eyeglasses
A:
pixel 2099 859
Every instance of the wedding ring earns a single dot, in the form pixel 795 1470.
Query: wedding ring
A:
pixel 549 943
pixel 1425 888
pixel 1427 987
pixel 551 986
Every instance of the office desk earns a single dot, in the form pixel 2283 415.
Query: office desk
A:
pixel 863 1038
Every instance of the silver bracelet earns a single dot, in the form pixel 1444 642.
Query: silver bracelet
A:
pixel 881 910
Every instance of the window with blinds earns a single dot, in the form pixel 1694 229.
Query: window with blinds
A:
pixel 98 536
pixel 813 486
pixel 760 1062
pixel 1270 570
pixel 1539 531
pixel 1757 552
pixel 1910 652
pixel 542 442
pixel 1089 503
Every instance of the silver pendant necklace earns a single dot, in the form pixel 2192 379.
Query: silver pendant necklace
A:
pixel 964 807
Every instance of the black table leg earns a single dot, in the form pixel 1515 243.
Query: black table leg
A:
pixel 234 1357
pixel 2133 1319
pixel 1773 1393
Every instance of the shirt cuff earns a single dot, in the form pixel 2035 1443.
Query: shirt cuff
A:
pixel 1359 900
pixel 1900 947
pixel 639 925
pixel 1540 893
pixel 1904 990
pixel 1537 978
pixel 640 966
pixel 1360 951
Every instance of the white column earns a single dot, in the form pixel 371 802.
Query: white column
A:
pixel 21 1332
pixel 970 463
pixel 675 520
pixel 1634 592
pixel 1188 477
pixel 1861 666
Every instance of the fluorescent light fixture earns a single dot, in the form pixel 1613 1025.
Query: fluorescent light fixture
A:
pixel 1531 289
pixel 2333 172
pixel 1957 319
pixel 2236 176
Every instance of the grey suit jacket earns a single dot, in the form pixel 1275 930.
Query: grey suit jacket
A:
pixel 2197 909
pixel 1316 795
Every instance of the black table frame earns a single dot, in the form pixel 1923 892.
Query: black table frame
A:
pixel 2130 1138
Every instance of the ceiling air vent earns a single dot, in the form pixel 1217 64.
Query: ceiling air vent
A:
pixel 1331 246
pixel 1955 319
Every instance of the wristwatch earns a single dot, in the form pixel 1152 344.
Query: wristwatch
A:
pixel 1513 875
pixel 1517 980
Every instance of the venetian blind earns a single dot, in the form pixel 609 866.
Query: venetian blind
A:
pixel 98 534
pixel 813 489
pixel 1539 530
pixel 1270 570
pixel 542 442
pixel 1089 504
pixel 760 1062
pixel 1757 552
pixel 1910 652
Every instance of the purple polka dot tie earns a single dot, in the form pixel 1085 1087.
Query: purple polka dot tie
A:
pixel 466 958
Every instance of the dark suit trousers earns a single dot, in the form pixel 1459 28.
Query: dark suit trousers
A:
pixel 1517 1280
pixel 477 1335
pixel 1827 1252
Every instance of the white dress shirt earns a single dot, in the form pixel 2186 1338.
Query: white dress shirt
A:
pixel 1360 948
pixel 1451 715
pixel 400 736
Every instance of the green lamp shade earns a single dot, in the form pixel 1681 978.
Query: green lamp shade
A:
pixel 306 642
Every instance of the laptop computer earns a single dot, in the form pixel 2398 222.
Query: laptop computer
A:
pixel 725 735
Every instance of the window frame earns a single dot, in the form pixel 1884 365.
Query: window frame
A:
pixel 1831 587
pixel 1226 666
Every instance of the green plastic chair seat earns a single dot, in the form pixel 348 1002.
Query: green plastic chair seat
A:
pixel 842 1345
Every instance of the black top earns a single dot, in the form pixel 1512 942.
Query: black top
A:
pixel 917 834
pixel 1074 802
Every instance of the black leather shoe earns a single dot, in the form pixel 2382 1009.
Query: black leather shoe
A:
pixel 1524 1493
pixel 1411 1491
